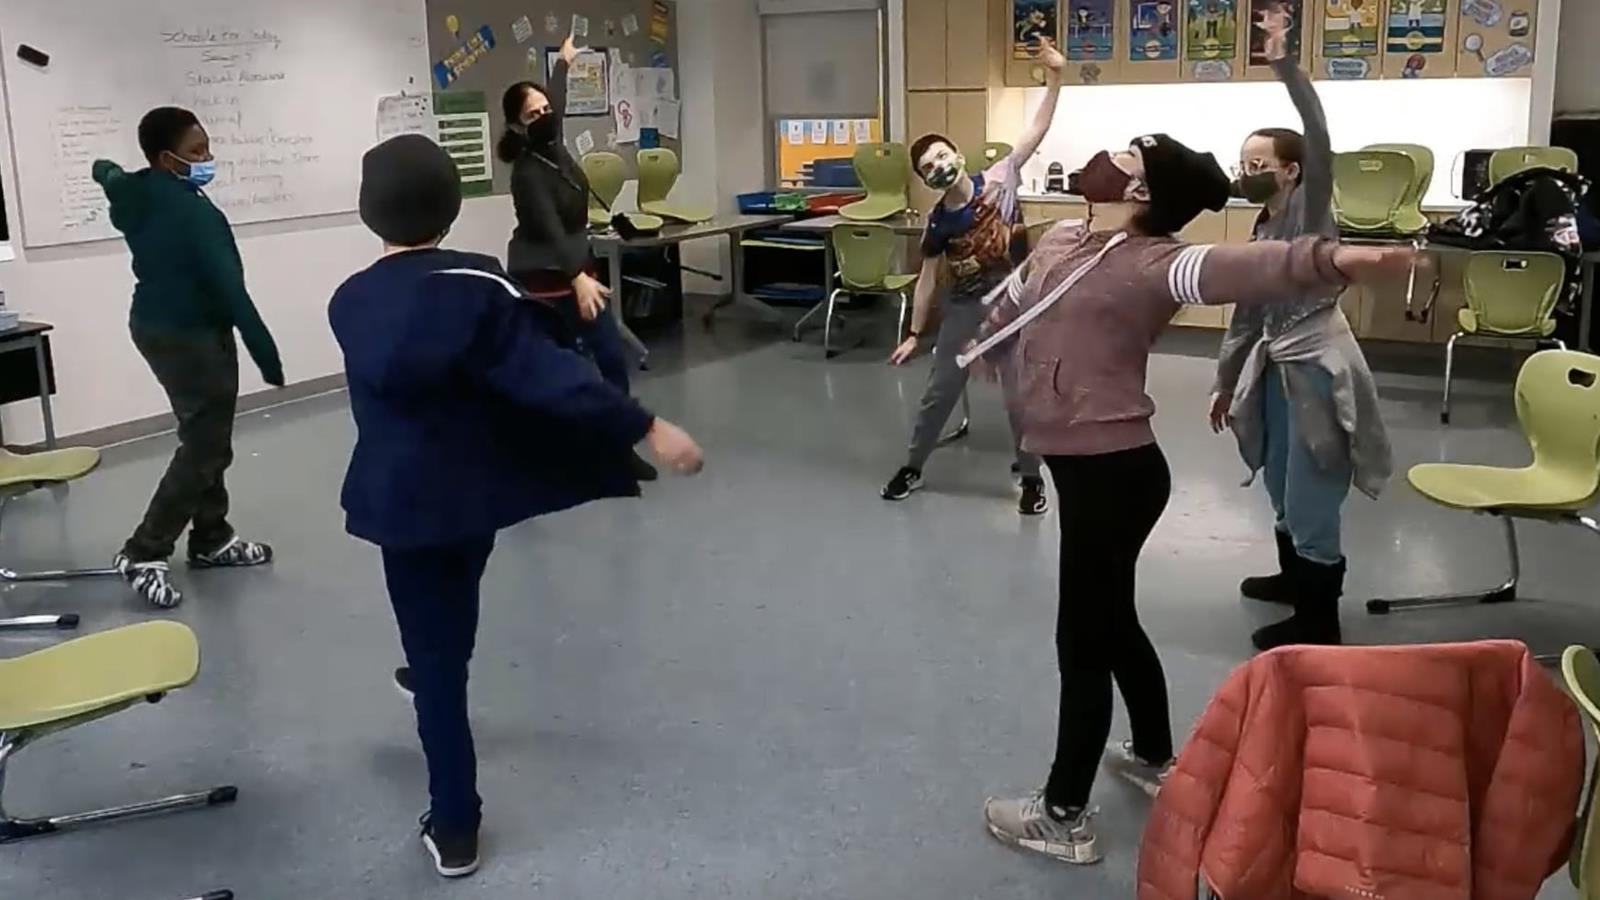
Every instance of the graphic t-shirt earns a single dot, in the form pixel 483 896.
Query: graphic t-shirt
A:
pixel 978 239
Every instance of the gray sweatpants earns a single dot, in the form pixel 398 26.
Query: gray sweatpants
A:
pixel 962 318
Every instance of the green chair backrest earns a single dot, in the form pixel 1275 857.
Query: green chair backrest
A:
pixel 607 172
pixel 658 172
pixel 1370 187
pixel 1505 163
pixel 864 252
pixel 992 152
pixel 1558 404
pixel 1581 670
pixel 883 169
pixel 1513 293
pixel 1421 177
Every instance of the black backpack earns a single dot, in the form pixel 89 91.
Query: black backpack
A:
pixel 1535 210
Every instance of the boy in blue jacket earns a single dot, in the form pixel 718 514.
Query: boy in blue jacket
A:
pixel 474 410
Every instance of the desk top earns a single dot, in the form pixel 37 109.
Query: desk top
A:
pixel 24 330
pixel 677 234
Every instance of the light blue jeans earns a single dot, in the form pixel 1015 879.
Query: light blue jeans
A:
pixel 1306 498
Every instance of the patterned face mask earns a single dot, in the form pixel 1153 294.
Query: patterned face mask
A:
pixel 944 174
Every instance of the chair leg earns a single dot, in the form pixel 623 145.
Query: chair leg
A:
pixel 900 327
pixel 14 577
pixel 965 428
pixel 1449 374
pixel 827 326
pixel 13 829
pixel 1505 593
pixel 799 326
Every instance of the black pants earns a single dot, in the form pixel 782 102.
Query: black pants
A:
pixel 200 373
pixel 602 340
pixel 434 591
pixel 1109 504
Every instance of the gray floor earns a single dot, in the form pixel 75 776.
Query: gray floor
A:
pixel 762 683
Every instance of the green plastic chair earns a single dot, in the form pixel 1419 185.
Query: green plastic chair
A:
pixel 865 258
pixel 1368 190
pixel 1510 296
pixel 77 682
pixel 607 173
pixel 1581 670
pixel 1505 163
pixel 1558 406
pixel 992 152
pixel 1412 218
pixel 20 473
pixel 658 172
pixel 885 171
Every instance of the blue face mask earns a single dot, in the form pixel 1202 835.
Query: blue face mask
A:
pixel 201 173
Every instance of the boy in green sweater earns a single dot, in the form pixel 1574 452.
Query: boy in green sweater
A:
pixel 188 298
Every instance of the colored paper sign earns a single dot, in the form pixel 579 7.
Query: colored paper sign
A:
pixel 1259 9
pixel 462 121
pixel 522 30
pixel 659 27
pixel 1153 30
pixel 626 117
pixel 1350 30
pixel 1089 30
pixel 1416 27
pixel 447 70
pixel 1212 33
pixel 1032 20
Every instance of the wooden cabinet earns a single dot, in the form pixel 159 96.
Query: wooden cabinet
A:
pixel 946 45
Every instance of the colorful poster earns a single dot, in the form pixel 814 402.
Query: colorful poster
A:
pixel 660 25
pixel 1416 27
pixel 1089 29
pixel 1213 30
pixel 1259 9
pixel 588 87
pixel 1153 30
pixel 464 57
pixel 1495 39
pixel 1030 21
pixel 1350 29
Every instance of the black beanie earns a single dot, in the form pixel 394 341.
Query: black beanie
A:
pixel 1182 183
pixel 410 191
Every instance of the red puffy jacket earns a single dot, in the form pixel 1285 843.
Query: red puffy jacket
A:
pixel 1442 772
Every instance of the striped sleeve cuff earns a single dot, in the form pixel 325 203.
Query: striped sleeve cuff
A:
pixel 1183 277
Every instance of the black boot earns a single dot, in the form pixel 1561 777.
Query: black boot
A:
pixel 1275 588
pixel 1316 609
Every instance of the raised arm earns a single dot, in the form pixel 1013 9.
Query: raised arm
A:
pixel 1028 142
pixel 1316 170
pixel 558 78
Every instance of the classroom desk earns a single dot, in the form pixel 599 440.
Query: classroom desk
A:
pixel 31 336
pixel 608 245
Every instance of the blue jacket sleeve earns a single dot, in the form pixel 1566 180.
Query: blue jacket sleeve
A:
pixel 515 356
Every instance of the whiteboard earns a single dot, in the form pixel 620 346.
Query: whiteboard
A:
pixel 288 90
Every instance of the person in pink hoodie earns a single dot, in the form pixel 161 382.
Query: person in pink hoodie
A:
pixel 1076 323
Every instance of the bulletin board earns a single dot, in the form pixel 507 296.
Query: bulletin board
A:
pixel 642 33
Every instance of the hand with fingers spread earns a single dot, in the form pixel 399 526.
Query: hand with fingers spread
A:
pixel 905 352
pixel 1276 21
pixel 1049 56
pixel 591 296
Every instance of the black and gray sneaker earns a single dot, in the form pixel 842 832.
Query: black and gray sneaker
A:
pixel 904 483
pixel 1034 500
pixel 1030 823
pixel 237 553
pixel 403 683
pixel 454 855
pixel 1120 760
pixel 151 580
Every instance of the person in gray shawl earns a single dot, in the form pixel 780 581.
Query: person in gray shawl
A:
pixel 1293 384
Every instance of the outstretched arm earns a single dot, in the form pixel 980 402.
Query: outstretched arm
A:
pixel 1028 142
pixel 1316 170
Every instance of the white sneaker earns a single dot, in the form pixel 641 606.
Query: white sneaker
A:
pixel 1121 761
pixel 1028 823
pixel 152 581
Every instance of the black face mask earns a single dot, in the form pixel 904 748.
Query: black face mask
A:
pixel 1257 188
pixel 543 131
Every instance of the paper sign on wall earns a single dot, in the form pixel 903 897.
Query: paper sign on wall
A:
pixel 819 131
pixel 627 119
pixel 551 23
pixel 630 24
pixel 406 114
pixel 588 87
pixel 580 25
pixel 667 112
pixel 522 29
pixel 841 131
pixel 863 131
pixel 664 84
pixel 797 132
pixel 584 142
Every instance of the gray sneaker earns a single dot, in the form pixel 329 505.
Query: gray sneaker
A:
pixel 1027 824
pixel 151 580
pixel 237 553
pixel 1121 761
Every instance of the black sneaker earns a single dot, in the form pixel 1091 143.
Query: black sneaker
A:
pixel 904 483
pixel 454 855
pixel 641 469
pixel 1034 500
pixel 402 681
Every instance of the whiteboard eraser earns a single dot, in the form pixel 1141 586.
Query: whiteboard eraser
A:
pixel 33 57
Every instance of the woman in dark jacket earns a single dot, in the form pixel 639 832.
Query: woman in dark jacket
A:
pixel 549 250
